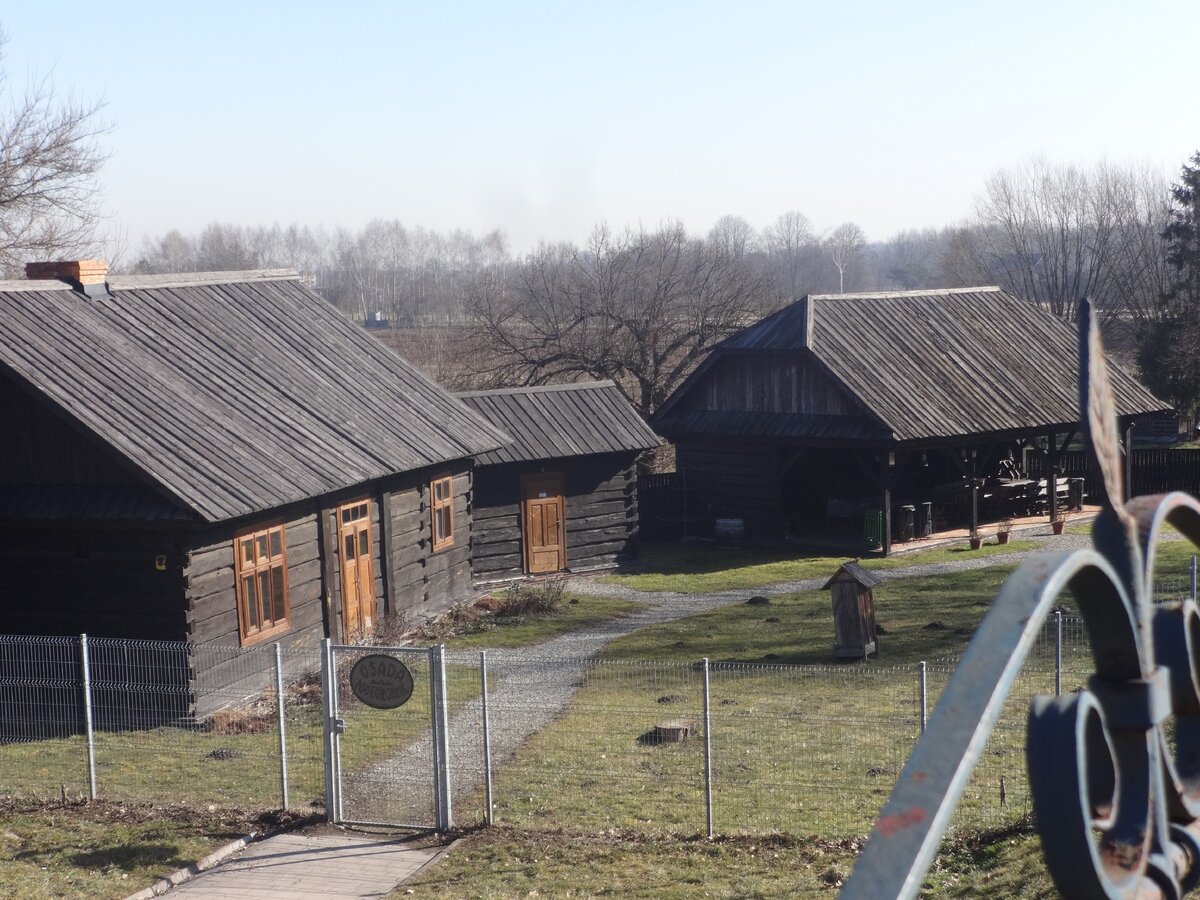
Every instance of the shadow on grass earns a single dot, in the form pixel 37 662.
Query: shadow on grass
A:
pixel 697 558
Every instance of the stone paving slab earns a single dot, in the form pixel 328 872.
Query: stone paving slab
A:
pixel 299 866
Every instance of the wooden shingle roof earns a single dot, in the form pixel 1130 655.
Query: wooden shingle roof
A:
pixel 561 420
pixel 232 393
pixel 932 364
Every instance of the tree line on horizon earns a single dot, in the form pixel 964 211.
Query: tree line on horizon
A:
pixel 643 306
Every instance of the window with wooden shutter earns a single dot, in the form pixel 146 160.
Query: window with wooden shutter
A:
pixel 441 491
pixel 262 598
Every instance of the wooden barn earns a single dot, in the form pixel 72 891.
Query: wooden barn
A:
pixel 848 418
pixel 563 495
pixel 220 458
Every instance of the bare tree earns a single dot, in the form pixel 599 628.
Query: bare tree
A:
pixel 641 308
pixel 791 246
pixel 845 245
pixel 49 159
pixel 1057 233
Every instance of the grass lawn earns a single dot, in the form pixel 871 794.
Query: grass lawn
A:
pixel 106 850
pixel 502 863
pixel 576 613
pixel 704 568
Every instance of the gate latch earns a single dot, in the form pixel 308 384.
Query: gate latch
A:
pixel 337 726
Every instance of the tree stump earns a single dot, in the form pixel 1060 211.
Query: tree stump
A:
pixel 674 731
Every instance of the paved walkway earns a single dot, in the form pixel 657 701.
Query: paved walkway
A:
pixel 329 866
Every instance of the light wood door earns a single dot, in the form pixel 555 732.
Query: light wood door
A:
pixel 358 580
pixel 543 523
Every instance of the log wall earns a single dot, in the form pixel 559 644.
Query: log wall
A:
pixel 770 382
pixel 601 513
pixel 99 581
pixel 732 480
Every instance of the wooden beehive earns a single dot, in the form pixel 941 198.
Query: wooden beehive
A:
pixel 854 634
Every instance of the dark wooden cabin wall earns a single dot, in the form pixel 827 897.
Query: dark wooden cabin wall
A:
pixel 212 591
pixel 732 480
pixel 601 513
pixel 40 448
pixel 99 581
pixel 783 383
pixel 428 583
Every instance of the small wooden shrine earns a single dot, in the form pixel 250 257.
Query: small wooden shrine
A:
pixel 854 635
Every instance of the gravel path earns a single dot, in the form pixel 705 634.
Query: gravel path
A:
pixel 531 686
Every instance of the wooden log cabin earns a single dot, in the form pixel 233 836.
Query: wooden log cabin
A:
pixel 563 495
pixel 839 410
pixel 220 458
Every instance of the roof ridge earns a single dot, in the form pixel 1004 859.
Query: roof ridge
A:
pixel 540 388
pixel 927 292
pixel 184 279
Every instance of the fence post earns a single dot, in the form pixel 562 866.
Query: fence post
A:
pixel 1193 577
pixel 1058 652
pixel 441 736
pixel 487 738
pixel 283 761
pixel 327 715
pixel 87 716
pixel 924 690
pixel 708 774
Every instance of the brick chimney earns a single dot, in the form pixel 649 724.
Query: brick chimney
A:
pixel 90 276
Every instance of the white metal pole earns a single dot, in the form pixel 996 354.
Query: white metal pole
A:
pixel 708 768
pixel 327 727
pixel 487 737
pixel 447 817
pixel 923 685
pixel 279 702
pixel 1058 653
pixel 87 715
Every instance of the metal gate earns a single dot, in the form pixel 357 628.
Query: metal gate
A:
pixel 386 765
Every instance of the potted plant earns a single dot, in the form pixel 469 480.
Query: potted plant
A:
pixel 1058 523
pixel 1004 531
pixel 976 539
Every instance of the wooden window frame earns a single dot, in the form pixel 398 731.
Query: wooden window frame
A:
pixel 248 634
pixel 436 506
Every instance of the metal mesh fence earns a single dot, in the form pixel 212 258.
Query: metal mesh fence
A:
pixel 576 743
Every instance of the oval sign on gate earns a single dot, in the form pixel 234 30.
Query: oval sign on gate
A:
pixel 381 681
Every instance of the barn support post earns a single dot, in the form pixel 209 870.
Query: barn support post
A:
pixel 887 471
pixel 974 491
pixel 487 738
pixel 279 703
pixel 1058 653
pixel 1128 435
pixel 1052 476
pixel 87 715
pixel 708 761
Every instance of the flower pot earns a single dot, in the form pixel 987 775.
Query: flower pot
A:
pixel 1002 537
pixel 1057 527
pixel 976 542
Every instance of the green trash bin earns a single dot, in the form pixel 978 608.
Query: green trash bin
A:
pixel 873 528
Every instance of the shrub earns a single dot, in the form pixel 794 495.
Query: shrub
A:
pixel 535 598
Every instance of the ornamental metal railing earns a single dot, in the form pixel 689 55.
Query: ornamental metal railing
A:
pixel 1114 769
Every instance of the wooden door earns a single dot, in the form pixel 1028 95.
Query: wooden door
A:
pixel 543 523
pixel 358 580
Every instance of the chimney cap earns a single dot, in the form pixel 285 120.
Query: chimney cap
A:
pixel 82 271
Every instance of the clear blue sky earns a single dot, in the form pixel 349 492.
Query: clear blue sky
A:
pixel 543 118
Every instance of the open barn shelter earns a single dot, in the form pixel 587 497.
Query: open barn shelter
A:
pixel 220 458
pixel 842 418
pixel 563 495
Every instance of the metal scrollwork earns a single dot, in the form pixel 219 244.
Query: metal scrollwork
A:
pixel 1117 810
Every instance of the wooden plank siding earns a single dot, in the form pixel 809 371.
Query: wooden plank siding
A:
pixel 777 382
pixel 99 581
pixel 729 479
pixel 601 513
